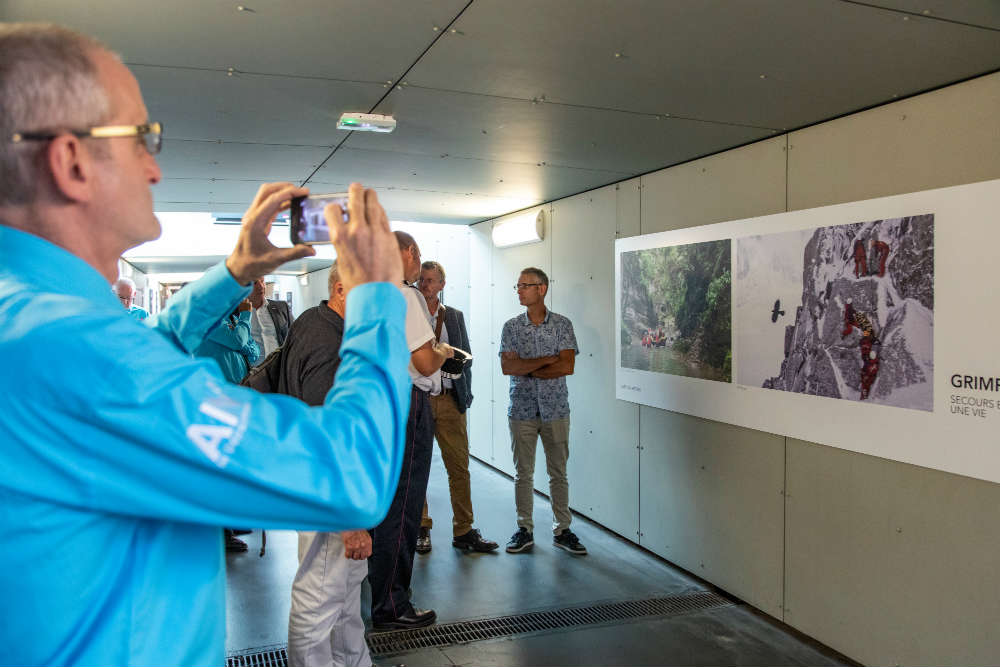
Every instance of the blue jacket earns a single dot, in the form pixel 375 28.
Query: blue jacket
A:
pixel 121 456
pixel 232 347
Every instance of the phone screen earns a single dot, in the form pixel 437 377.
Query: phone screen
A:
pixel 307 222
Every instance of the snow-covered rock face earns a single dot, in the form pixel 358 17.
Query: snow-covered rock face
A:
pixel 891 315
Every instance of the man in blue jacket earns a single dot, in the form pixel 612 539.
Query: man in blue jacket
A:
pixel 117 469
pixel 449 401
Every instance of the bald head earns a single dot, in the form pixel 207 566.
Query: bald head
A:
pixel 409 252
pixel 338 297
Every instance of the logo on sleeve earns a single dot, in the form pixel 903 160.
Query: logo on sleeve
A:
pixel 219 439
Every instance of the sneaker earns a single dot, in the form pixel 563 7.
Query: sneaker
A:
pixel 424 540
pixel 520 541
pixel 570 542
pixel 473 541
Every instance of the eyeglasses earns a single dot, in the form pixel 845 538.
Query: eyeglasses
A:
pixel 150 133
pixel 520 286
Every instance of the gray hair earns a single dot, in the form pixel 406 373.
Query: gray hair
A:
pixel 334 277
pixel 538 273
pixel 48 81
pixel 124 281
pixel 428 265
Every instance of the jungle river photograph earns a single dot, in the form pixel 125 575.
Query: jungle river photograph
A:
pixel 676 310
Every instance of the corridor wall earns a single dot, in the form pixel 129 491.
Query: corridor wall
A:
pixel 886 562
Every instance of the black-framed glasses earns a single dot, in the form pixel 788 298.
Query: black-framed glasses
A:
pixel 150 133
pixel 521 286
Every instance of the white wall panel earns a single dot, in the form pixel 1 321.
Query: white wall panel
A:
pixel 947 137
pixel 481 334
pixel 317 289
pixel 891 563
pixel 628 204
pixel 604 460
pixel 712 502
pixel 740 183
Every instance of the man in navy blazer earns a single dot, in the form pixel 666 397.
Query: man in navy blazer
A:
pixel 448 407
pixel 269 322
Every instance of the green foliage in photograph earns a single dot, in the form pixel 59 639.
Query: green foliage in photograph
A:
pixel 691 285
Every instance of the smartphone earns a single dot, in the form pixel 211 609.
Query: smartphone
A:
pixel 307 222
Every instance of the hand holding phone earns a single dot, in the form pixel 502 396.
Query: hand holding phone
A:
pixel 254 255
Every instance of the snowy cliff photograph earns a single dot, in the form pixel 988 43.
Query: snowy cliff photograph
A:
pixel 676 309
pixel 844 312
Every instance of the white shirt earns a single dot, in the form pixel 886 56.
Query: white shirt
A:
pixel 263 331
pixel 418 332
pixel 441 380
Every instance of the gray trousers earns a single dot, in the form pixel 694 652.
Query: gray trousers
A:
pixel 324 624
pixel 555 441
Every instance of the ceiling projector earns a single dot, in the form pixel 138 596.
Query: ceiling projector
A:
pixel 366 122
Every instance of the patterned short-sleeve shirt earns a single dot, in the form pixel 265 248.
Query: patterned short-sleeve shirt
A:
pixel 531 397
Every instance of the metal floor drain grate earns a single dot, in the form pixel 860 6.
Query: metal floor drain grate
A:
pixel 268 656
pixel 445 634
pixel 463 632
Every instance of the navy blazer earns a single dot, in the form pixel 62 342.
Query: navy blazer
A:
pixel 281 315
pixel 458 337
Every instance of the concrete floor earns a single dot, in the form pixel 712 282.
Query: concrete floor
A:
pixel 461 586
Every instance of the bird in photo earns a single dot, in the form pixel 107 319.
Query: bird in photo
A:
pixel 777 310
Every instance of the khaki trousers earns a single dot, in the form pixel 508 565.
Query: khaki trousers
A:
pixel 453 439
pixel 555 441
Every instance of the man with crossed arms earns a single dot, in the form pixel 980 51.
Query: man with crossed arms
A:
pixel 538 350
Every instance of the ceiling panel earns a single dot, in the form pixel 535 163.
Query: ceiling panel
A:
pixel 985 13
pixel 323 38
pixel 212 176
pixel 505 130
pixel 457 178
pixel 182 158
pixel 704 58
pixel 220 196
pixel 253 108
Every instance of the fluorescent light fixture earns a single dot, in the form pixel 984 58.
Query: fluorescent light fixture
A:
pixel 233 219
pixel 522 229
pixel 366 122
